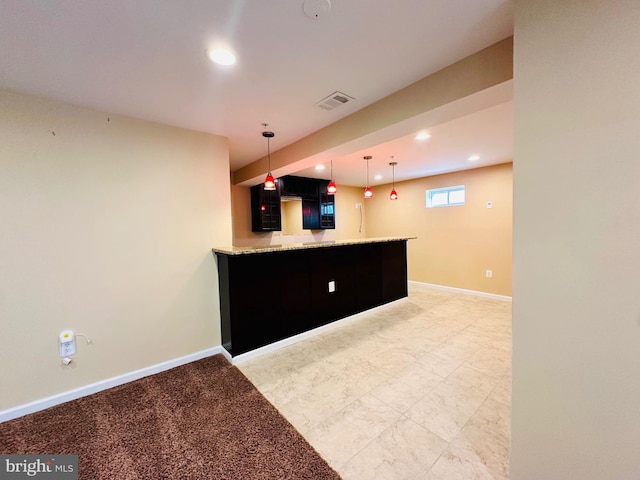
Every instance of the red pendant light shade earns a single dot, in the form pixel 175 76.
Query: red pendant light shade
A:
pixel 393 195
pixel 269 181
pixel 368 193
pixel 332 188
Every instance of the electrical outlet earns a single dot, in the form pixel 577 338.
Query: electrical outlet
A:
pixel 489 273
pixel 489 204
pixel 67 343
pixel 332 286
pixel 358 205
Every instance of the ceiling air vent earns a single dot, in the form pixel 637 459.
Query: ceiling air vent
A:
pixel 336 99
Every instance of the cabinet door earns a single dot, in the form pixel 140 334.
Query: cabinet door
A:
pixel 265 210
pixel 327 210
pixel 310 213
pixel 254 301
pixel 333 265
pixel 394 270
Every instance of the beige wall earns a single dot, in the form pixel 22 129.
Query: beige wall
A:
pixel 107 229
pixel 576 323
pixel 292 217
pixel 455 245
pixel 348 224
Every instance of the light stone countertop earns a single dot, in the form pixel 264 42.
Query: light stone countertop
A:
pixel 301 246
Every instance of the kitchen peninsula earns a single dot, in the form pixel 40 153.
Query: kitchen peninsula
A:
pixel 273 292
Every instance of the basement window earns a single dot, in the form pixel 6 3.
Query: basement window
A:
pixel 445 197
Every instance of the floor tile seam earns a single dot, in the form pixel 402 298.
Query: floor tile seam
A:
pixel 468 420
pixel 474 367
pixel 427 393
pixel 426 372
pixel 468 458
pixel 474 390
pixel 371 440
pixel 404 416
pixel 466 363
pixel 496 400
pixel 428 430
pixel 495 473
pixel 408 408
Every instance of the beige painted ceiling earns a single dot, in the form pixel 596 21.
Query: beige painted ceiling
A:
pixel 146 59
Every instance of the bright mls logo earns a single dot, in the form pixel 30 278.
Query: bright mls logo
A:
pixel 52 467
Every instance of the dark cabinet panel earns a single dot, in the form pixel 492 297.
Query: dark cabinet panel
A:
pixel 295 292
pixel 367 274
pixel 310 214
pixel 266 215
pixel 394 270
pixel 327 208
pixel 318 208
pixel 335 265
pixel 255 306
pixel 304 187
pixel 265 297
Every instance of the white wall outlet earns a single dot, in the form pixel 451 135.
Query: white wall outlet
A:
pixel 489 273
pixel 358 205
pixel 489 204
pixel 67 343
pixel 332 286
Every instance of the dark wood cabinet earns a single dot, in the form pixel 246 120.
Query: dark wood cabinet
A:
pixel 269 296
pixel 327 208
pixel 318 208
pixel 266 215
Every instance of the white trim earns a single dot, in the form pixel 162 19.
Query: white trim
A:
pixel 37 405
pixel 495 296
pixel 272 347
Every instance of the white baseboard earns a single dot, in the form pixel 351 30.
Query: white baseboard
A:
pixel 272 347
pixel 506 298
pixel 35 406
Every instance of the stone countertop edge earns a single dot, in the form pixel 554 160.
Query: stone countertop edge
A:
pixel 302 246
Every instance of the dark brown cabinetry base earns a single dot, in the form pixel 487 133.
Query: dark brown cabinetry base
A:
pixel 266 297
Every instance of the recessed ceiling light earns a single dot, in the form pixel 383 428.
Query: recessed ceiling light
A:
pixel 319 167
pixel 221 56
pixel 378 177
pixel 423 136
pixel 474 158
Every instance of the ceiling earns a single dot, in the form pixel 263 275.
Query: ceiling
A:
pixel 146 59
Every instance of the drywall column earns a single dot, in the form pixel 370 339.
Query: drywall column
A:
pixel 576 302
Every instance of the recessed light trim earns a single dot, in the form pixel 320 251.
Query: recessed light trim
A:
pixel 474 158
pixel 221 56
pixel 378 177
pixel 423 136
pixel 319 167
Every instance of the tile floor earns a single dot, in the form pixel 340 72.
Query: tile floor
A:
pixel 419 389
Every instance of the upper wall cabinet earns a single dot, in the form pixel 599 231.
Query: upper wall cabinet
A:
pixel 265 209
pixel 303 187
pixel 318 208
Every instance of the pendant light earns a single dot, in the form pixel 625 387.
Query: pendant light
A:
pixel 331 188
pixel 368 193
pixel 393 195
pixel 269 181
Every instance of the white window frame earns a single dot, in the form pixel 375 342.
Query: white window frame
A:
pixel 437 192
